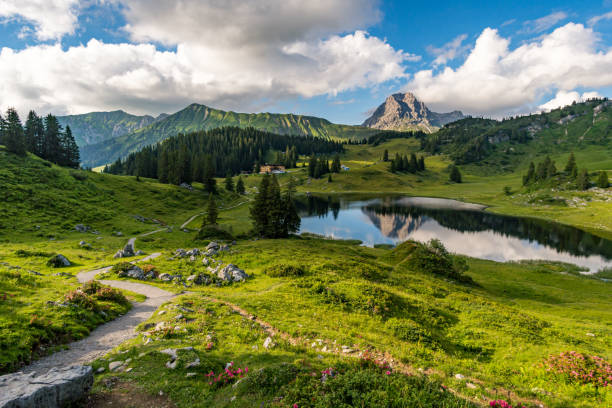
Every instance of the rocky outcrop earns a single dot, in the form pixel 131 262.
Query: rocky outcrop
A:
pixel 127 251
pixel 58 261
pixel 57 388
pixel 231 273
pixel 403 111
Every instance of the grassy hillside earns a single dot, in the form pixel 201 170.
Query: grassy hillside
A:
pixel 199 117
pixel 96 127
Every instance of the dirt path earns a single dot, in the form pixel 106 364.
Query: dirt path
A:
pixel 202 213
pixel 108 336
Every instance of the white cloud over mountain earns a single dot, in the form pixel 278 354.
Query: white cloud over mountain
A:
pixel 50 19
pixel 231 54
pixel 496 80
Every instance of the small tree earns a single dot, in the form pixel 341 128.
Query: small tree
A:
pixel 602 180
pixel 530 176
pixel 210 184
pixel 386 156
pixel 13 133
pixel 240 186
pixel 336 166
pixel 583 182
pixel 421 163
pixel 329 178
pixel 571 164
pixel 212 213
pixel 229 183
pixel 455 174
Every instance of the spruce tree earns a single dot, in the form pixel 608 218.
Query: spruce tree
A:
pixel 571 164
pixel 413 166
pixel 329 178
pixel 530 176
pixel 385 157
pixel 229 182
pixel 582 181
pixel 210 184
pixel 240 186
pixel 336 165
pixel 72 157
pixel 162 166
pixel 34 133
pixel 291 221
pixel 455 174
pixel 275 210
pixel 259 209
pixel 212 213
pixel 52 150
pixel 13 133
pixel 421 163
pixel 602 180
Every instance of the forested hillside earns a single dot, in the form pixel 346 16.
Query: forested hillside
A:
pixel 199 117
pixel 506 144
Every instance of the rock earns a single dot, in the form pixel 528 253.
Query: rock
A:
pixel 231 273
pixel 205 261
pixel 224 248
pixel 128 249
pixel 211 252
pixel 83 243
pixel 591 334
pixel 118 233
pixel 192 258
pixel 173 353
pixel 100 370
pixel 135 273
pixel 179 316
pixel 64 274
pixel 471 386
pixel 81 228
pixel 186 186
pixel 139 218
pixel 193 364
pixel 165 277
pixel 459 376
pixel 192 278
pixel 190 375
pixel 58 261
pixel 193 252
pixel 151 275
pixel 139 252
pixel 115 365
pixel 181 253
pixel 172 364
pixel 212 245
pixel 269 343
pixel 57 388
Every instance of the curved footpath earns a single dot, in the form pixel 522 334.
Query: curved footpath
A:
pixel 109 335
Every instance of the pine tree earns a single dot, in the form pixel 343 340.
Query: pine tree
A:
pixel 602 180
pixel 312 164
pixel 2 129
pixel 571 164
pixel 240 186
pixel 393 168
pixel 413 166
pixel 34 133
pixel 421 163
pixel 336 165
pixel 210 184
pixel 530 176
pixel 551 171
pixel 291 219
pixel 329 178
pixel 162 166
pixel 259 209
pixel 583 182
pixel 212 213
pixel 73 156
pixel 455 174
pixel 385 157
pixel 229 183
pixel 13 133
pixel 52 150
pixel 275 210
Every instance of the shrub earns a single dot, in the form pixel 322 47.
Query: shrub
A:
pixel 580 368
pixel 215 232
pixel 284 270
pixel 121 267
pixel 111 295
pixel 408 330
pixel 269 380
pixel 433 257
pixel 91 287
pixel 82 299
pixel 79 175
pixel 228 376
pixel 23 253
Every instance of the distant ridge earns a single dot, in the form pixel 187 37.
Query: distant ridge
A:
pixel 403 111
pixel 197 117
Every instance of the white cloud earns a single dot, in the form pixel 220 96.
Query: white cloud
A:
pixel 449 51
pixel 495 80
pixel 564 98
pixel 543 23
pixel 51 19
pixel 594 20
pixel 231 54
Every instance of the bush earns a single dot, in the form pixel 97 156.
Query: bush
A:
pixel 23 253
pixel 121 267
pixel 269 380
pixel 111 295
pixel 579 368
pixel 210 232
pixel 91 287
pixel 433 257
pixel 284 270
pixel 81 299
pixel 78 175
pixel 408 330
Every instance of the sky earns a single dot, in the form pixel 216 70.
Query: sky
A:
pixel 337 59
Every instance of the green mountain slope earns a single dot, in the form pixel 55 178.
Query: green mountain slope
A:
pixel 506 145
pixel 96 127
pixel 199 117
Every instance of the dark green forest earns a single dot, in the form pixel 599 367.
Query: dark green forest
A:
pixel 200 155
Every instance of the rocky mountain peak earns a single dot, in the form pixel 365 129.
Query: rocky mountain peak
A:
pixel 404 111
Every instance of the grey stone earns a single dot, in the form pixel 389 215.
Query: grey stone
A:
pixel 139 252
pixel 231 273
pixel 59 261
pixel 186 186
pixel 205 261
pixel 181 253
pixel 268 343
pixel 192 278
pixel 195 363
pixel 212 245
pixel 57 388
pixel 81 228
pixel 192 258
pixel 136 273
pixel 165 277
pixel 115 365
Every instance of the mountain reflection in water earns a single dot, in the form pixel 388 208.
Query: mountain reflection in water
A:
pixel 462 227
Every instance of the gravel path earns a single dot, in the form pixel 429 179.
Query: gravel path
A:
pixel 108 336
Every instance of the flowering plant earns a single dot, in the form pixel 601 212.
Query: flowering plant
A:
pixel 580 368
pixel 229 375
pixel 503 404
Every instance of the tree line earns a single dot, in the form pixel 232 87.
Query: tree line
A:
pixel 546 173
pixel 319 166
pixel 43 137
pixel 201 156
pixel 405 164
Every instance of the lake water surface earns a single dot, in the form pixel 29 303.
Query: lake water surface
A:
pixel 462 227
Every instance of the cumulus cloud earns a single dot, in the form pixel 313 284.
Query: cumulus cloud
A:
pixel 231 54
pixel 51 19
pixel 564 98
pixel 449 51
pixel 496 80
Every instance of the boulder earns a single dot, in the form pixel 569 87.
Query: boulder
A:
pixel 205 261
pixel 57 388
pixel 58 261
pixel 139 252
pixel 81 228
pixel 136 273
pixel 128 249
pixel 193 252
pixel 231 273
pixel 212 245
pixel 192 278
pixel 181 253
pixel 165 277
pixel 186 186
pixel 211 252
pixel 268 343
pixel 192 258
pixel 151 274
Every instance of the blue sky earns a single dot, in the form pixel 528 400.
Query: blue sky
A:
pixel 336 59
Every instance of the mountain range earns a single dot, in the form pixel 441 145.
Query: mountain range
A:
pixel 141 131
pixel 403 111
